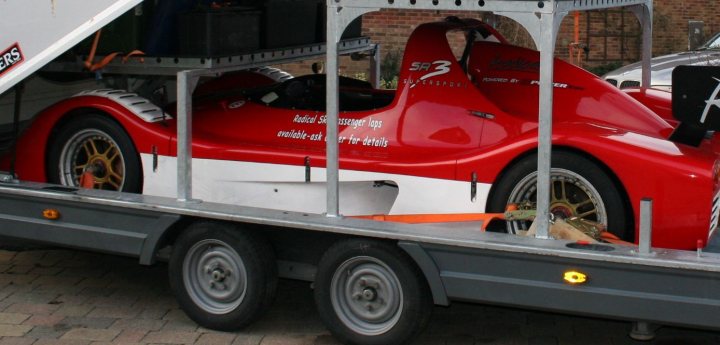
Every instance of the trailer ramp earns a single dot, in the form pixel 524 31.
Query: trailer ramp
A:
pixel 36 32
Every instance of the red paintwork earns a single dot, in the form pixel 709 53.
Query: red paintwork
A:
pixel 659 101
pixel 428 130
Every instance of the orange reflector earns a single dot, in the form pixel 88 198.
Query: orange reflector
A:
pixel 574 277
pixel 51 214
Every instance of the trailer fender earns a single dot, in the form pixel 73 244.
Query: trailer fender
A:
pixel 430 270
pixel 150 245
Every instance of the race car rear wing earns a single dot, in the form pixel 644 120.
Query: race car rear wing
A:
pixel 695 103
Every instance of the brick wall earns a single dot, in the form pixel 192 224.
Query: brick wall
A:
pixel 611 36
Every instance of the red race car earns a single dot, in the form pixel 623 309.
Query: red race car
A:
pixel 459 135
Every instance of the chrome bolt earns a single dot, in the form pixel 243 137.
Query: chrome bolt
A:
pixel 368 294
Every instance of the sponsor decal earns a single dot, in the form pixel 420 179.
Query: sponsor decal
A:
pixel 519 64
pixel 526 82
pixel 10 57
pixel 434 69
pixel 441 67
pixel 712 101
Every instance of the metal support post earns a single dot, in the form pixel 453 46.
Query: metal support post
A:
pixel 644 15
pixel 332 107
pixel 547 44
pixel 375 67
pixel 549 25
pixel 186 82
pixel 645 241
pixel 19 90
pixel 543 30
pixel 338 18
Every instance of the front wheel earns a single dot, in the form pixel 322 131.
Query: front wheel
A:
pixel 579 188
pixel 369 292
pixel 96 143
pixel 224 278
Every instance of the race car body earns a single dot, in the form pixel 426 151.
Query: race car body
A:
pixel 459 135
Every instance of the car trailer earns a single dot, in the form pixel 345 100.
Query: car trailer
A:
pixel 375 282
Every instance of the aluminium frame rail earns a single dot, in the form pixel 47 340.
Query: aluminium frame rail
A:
pixel 541 18
pixel 171 65
pixel 187 80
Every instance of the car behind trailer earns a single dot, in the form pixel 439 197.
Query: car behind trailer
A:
pixel 375 282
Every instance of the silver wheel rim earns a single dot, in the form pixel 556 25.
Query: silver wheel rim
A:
pixel 214 276
pixel 571 196
pixel 92 147
pixel 366 295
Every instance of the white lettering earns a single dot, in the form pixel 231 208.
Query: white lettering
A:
pixel 7 57
pixel 15 52
pixel 442 67
pixel 712 101
pixel 292 134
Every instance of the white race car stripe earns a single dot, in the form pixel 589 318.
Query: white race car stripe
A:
pixel 283 187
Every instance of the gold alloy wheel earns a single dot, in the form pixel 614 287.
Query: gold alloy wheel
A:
pixel 571 196
pixel 94 151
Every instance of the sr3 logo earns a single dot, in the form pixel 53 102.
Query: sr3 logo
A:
pixel 440 67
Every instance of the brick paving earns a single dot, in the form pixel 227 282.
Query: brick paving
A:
pixel 65 297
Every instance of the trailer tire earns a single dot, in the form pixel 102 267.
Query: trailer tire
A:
pixel 94 140
pixel 369 292
pixel 583 181
pixel 224 278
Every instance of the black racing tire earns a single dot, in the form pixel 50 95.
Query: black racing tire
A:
pixel 370 292
pixel 94 140
pixel 224 278
pixel 585 183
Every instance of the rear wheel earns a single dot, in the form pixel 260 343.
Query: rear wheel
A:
pixel 97 144
pixel 224 278
pixel 369 292
pixel 579 188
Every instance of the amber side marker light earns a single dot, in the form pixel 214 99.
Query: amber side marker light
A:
pixel 574 277
pixel 51 214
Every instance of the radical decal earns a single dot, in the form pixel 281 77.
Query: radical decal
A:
pixel 354 132
pixel 10 58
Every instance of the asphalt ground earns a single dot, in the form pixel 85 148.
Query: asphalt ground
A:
pixel 58 296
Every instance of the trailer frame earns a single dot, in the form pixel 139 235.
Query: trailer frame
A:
pixel 459 262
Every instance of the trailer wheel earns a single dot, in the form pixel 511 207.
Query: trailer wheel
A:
pixel 370 292
pixel 222 277
pixel 96 142
pixel 579 188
